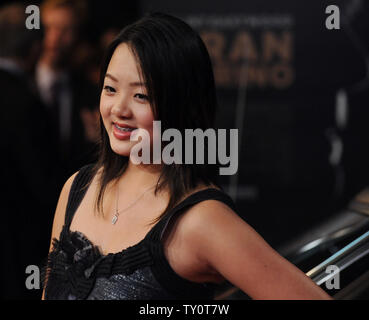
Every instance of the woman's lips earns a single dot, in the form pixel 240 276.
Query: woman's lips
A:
pixel 121 132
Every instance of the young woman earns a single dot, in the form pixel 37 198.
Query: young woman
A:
pixel 158 231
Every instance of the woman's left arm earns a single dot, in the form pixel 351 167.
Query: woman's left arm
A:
pixel 232 248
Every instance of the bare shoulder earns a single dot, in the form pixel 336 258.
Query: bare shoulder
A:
pixel 231 248
pixel 61 206
pixel 207 224
pixel 211 227
pixel 191 233
pixel 208 209
pixel 209 216
pixel 63 198
pixel 60 211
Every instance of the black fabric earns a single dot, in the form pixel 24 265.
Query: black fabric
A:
pixel 28 184
pixel 77 192
pixel 75 263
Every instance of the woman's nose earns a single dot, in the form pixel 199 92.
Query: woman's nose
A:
pixel 121 108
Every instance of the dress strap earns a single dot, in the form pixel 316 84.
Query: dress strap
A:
pixel 77 192
pixel 157 232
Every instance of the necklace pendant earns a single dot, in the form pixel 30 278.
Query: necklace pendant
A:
pixel 114 220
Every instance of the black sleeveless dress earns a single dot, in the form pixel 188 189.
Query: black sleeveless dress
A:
pixel 76 269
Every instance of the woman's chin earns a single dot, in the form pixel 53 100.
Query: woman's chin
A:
pixel 121 150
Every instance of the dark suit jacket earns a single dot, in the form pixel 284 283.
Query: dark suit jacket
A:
pixel 29 188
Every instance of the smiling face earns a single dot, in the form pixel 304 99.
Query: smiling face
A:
pixel 124 105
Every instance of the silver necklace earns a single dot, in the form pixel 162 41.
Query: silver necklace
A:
pixel 117 213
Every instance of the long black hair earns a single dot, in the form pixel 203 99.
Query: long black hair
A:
pixel 175 65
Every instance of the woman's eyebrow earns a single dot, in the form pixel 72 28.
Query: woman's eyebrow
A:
pixel 137 84
pixel 132 84
pixel 108 75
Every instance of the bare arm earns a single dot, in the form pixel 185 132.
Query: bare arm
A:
pixel 60 214
pixel 235 250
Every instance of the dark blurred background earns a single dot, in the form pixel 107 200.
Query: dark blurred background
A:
pixel 297 92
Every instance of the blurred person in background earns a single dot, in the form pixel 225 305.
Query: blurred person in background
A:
pixel 28 161
pixel 71 99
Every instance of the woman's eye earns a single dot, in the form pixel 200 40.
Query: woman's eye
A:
pixel 109 89
pixel 141 96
